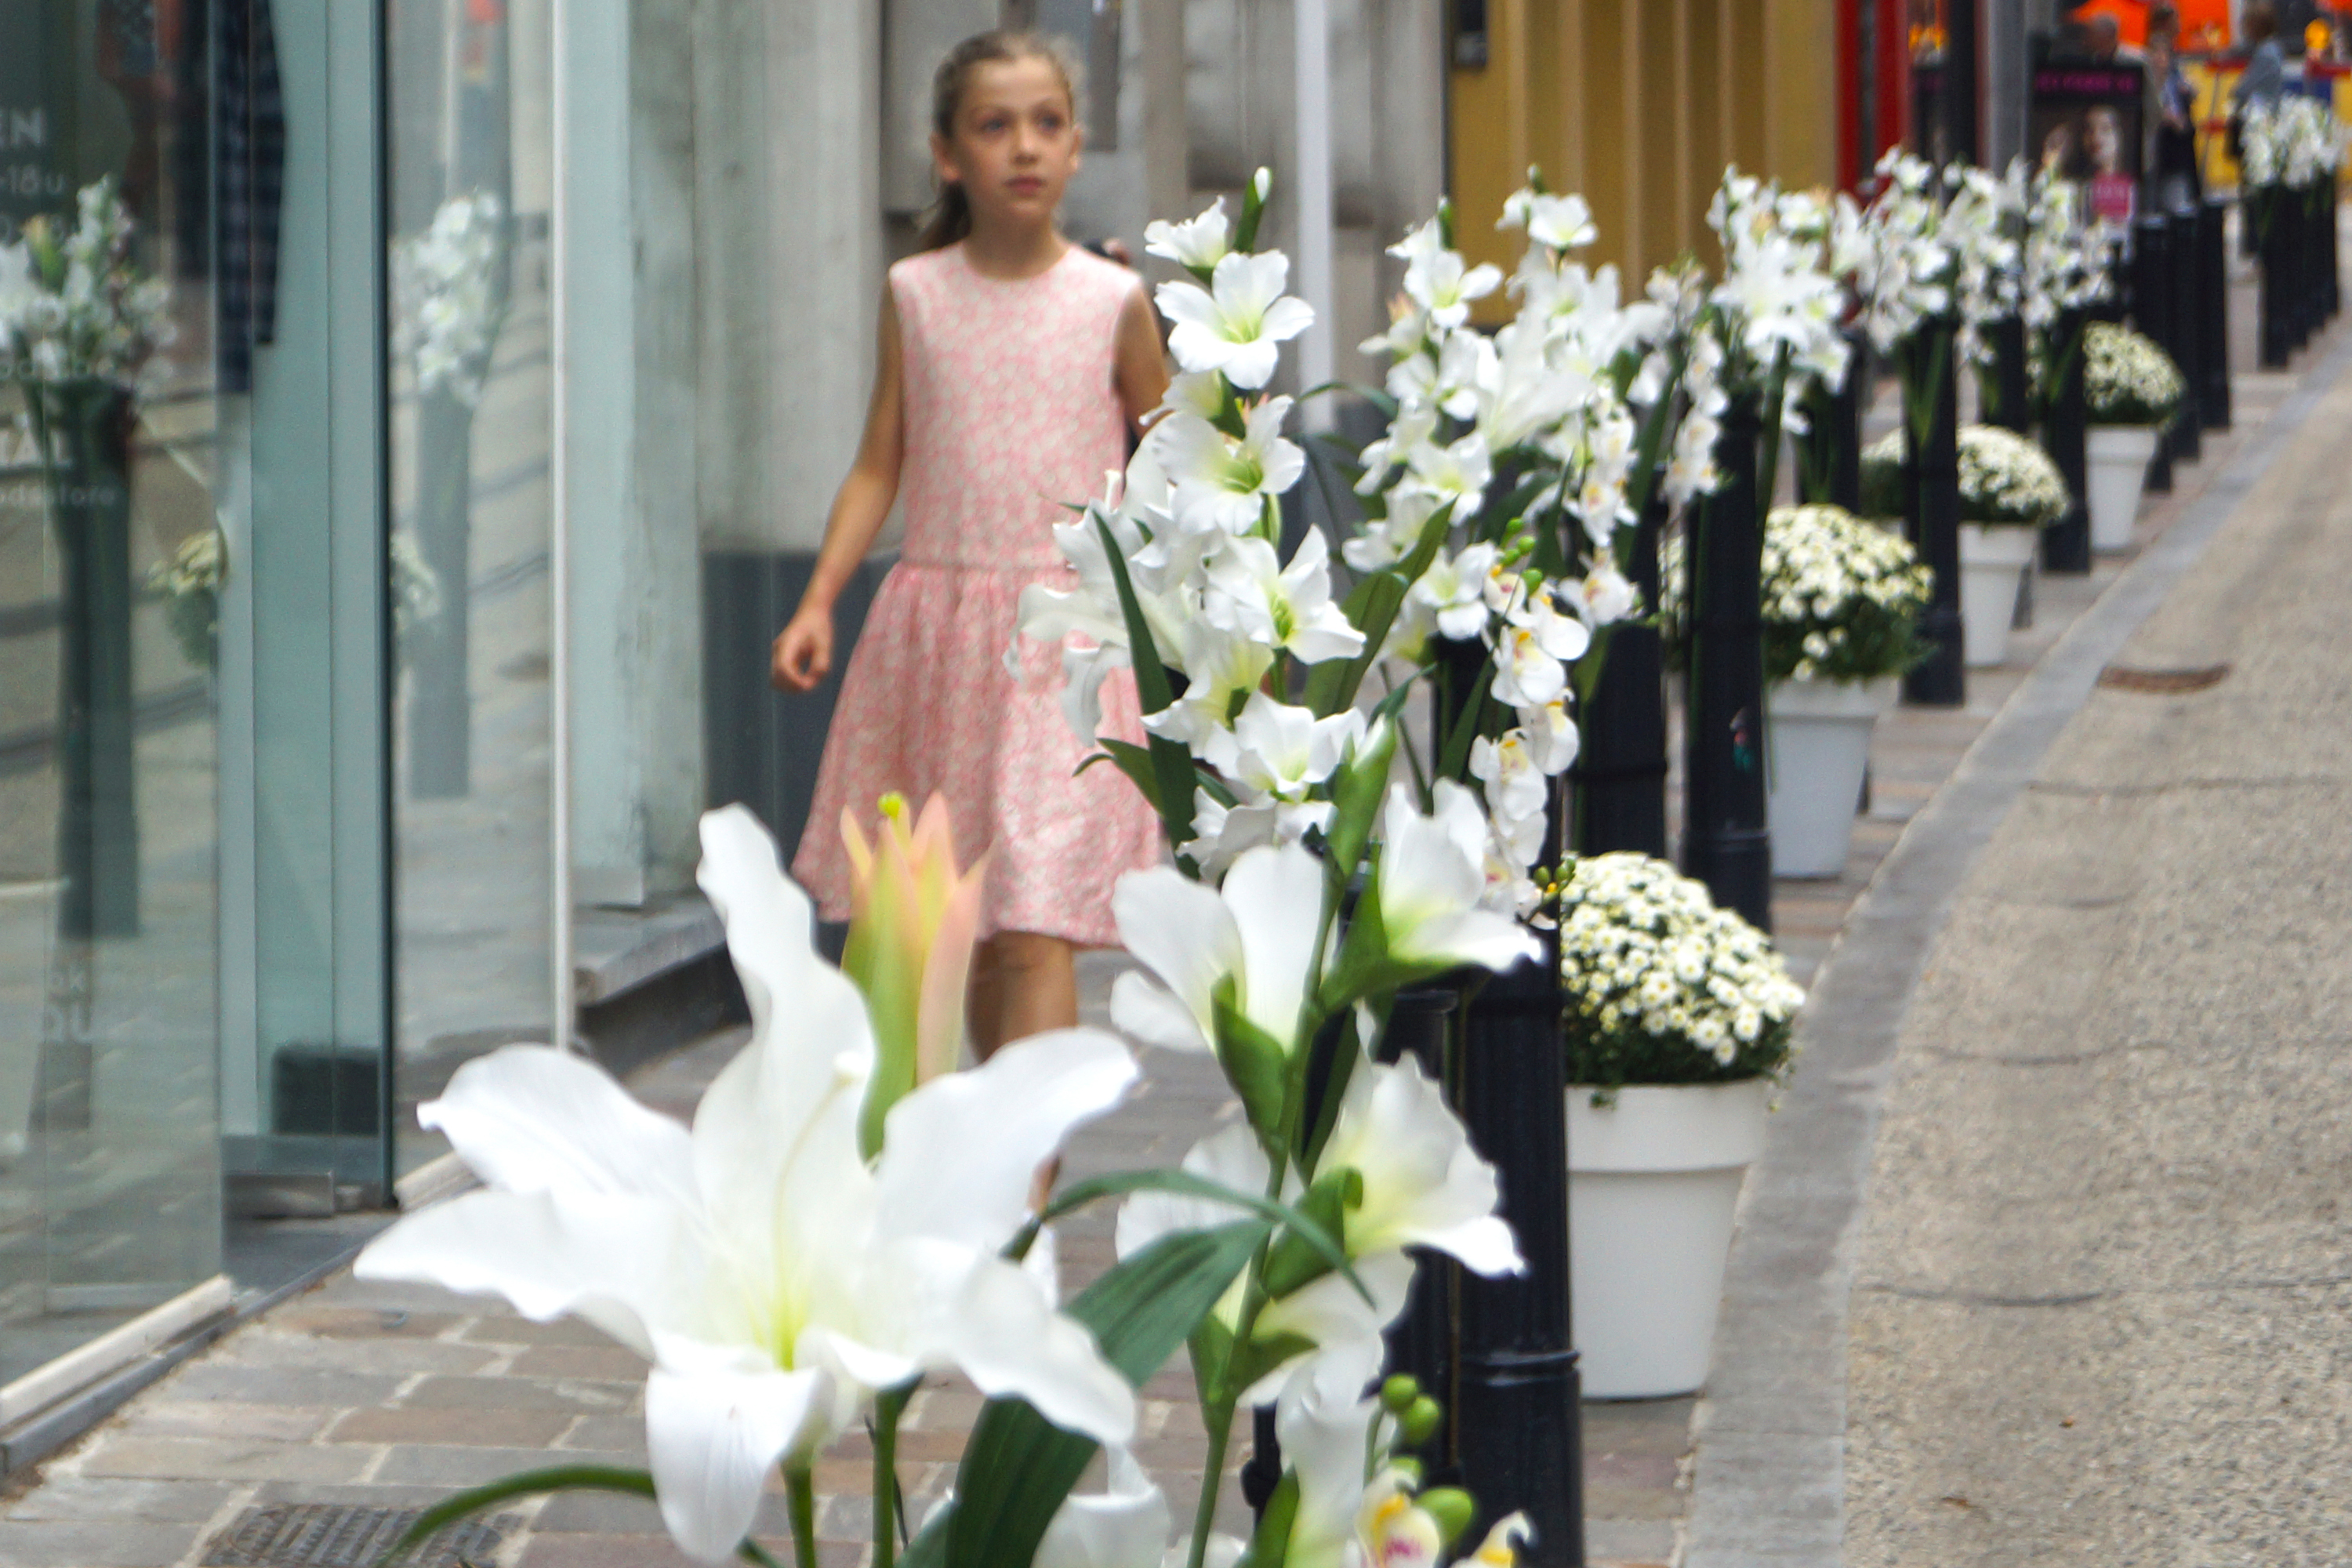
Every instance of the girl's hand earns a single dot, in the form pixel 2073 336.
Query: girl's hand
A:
pixel 803 654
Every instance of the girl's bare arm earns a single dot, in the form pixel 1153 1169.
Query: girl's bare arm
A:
pixel 1141 367
pixel 803 649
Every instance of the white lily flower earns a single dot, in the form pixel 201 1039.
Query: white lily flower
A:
pixel 1221 484
pixel 1256 932
pixel 774 1279
pixel 1455 591
pixel 1423 1184
pixel 1235 324
pixel 1250 592
pixel 1201 241
pixel 1430 879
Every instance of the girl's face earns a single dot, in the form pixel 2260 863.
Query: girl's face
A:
pixel 1016 142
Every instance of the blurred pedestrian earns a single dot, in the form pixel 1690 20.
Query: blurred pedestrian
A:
pixel 2169 115
pixel 1012 365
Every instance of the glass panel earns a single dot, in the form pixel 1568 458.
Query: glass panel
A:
pixel 469 380
pixel 110 577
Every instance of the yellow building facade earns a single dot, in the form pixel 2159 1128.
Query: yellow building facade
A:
pixel 1639 105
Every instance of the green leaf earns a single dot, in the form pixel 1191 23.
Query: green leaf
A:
pixel 1357 792
pixel 1370 608
pixel 531 1483
pixel 1317 1235
pixel 1255 1063
pixel 1130 759
pixel 1018 1467
pixel 1291 1262
pixel 1171 763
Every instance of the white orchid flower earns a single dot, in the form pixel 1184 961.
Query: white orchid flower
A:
pixel 1430 879
pixel 1250 592
pixel 1256 933
pixel 1423 1184
pixel 1197 242
pixel 1223 484
pixel 1235 324
pixel 1551 736
pixel 1125 1525
pixel 1515 787
pixel 772 1278
pixel 1531 653
pixel 1455 591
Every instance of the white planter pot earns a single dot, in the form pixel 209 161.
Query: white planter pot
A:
pixel 1654 1181
pixel 1820 736
pixel 2118 457
pixel 1993 561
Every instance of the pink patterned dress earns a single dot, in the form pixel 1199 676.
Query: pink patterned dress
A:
pixel 1011 411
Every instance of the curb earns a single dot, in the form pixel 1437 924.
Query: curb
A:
pixel 1769 1475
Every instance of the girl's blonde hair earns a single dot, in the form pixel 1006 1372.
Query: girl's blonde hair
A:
pixel 950 219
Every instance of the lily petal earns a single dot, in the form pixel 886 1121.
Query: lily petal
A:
pixel 712 1436
pixel 1008 1341
pixel 990 1129
pixel 532 1118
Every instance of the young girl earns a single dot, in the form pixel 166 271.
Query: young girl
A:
pixel 1012 365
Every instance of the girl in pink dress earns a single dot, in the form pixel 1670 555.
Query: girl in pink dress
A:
pixel 1012 363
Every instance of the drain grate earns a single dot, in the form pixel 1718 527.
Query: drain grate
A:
pixel 337 1535
pixel 2124 678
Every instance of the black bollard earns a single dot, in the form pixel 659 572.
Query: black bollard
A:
pixel 2264 222
pixel 2330 249
pixel 1515 1411
pixel 2151 309
pixel 2292 207
pixel 1726 843
pixel 2007 407
pixel 1932 517
pixel 2187 346
pixel 2213 312
pixel 2066 543
pixel 1621 773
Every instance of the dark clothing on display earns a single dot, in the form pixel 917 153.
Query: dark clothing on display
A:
pixel 249 164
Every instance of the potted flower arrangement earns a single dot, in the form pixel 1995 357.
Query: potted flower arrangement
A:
pixel 2010 491
pixel 1842 604
pixel 1678 1026
pixel 2130 388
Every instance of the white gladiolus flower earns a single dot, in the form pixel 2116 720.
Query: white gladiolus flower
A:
pixel 772 1278
pixel 1235 325
pixel 1249 592
pixel 1437 279
pixel 1197 242
pixel 1455 591
pixel 1257 932
pixel 1281 751
pixel 1223 484
pixel 1431 881
pixel 1555 221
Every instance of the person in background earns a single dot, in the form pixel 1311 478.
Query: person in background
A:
pixel 1012 366
pixel 2266 74
pixel 2169 116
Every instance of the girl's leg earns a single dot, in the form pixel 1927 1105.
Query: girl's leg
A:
pixel 1023 983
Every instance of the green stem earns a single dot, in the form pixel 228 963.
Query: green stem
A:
pixel 889 1407
pixel 800 1488
pixel 1220 1423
